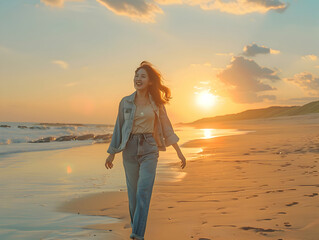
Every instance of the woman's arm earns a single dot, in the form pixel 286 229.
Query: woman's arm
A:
pixel 180 155
pixel 117 132
pixel 168 131
pixel 176 147
pixel 170 136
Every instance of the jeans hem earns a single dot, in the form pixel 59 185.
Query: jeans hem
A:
pixel 133 235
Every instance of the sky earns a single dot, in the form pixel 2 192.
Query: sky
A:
pixel 72 61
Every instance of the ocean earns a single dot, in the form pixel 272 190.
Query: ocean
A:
pixel 36 177
pixel 18 137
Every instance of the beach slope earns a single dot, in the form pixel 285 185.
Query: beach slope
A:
pixel 260 185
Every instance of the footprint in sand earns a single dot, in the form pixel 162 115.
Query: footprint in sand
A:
pixel 291 204
pixel 287 224
pixel 252 196
pixel 260 230
pixel 264 219
pixel 228 225
pixel 272 191
pixel 264 185
pixel 264 208
pixel 220 208
pixel 311 195
pixel 281 213
pixel 285 165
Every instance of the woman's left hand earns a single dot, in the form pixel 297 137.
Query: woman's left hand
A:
pixel 182 158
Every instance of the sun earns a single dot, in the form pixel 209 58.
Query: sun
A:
pixel 206 99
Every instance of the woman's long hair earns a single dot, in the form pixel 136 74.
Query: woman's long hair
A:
pixel 160 93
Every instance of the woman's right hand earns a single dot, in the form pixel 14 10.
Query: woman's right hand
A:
pixel 109 160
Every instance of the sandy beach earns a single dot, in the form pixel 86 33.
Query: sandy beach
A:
pixel 234 83
pixel 260 185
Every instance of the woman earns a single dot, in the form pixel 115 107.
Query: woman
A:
pixel 142 129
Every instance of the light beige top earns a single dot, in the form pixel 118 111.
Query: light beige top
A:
pixel 144 119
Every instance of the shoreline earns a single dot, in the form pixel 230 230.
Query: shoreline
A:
pixel 249 186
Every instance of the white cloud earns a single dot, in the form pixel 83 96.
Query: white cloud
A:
pixel 240 7
pixel 310 57
pixel 306 81
pixel 146 10
pixel 139 10
pixel 58 3
pixel 253 49
pixel 61 64
pixel 244 79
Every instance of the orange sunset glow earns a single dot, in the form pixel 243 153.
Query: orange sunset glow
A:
pixel 159 119
pixel 206 99
pixel 81 78
pixel 69 169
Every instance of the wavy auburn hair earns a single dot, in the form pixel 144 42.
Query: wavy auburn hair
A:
pixel 160 93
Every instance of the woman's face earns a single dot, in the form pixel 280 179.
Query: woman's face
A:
pixel 141 80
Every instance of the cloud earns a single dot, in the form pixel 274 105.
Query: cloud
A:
pixel 146 10
pixel 169 2
pixel 240 7
pixel 310 57
pixel 58 3
pixel 61 64
pixel 53 3
pixel 253 49
pixel 306 81
pixel 243 80
pixel 138 10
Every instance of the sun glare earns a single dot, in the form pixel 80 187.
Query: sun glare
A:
pixel 209 133
pixel 206 99
pixel 68 169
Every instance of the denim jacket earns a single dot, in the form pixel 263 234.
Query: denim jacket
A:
pixel 163 134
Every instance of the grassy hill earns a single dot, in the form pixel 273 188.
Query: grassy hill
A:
pixel 273 111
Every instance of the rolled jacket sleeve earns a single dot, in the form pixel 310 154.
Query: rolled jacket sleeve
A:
pixel 117 132
pixel 168 131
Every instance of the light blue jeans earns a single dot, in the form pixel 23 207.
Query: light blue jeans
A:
pixel 140 157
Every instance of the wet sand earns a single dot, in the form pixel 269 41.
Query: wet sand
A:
pixel 260 185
